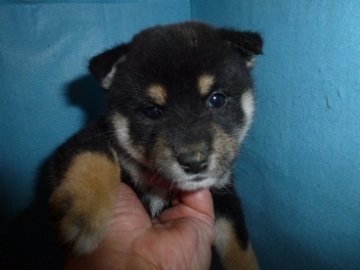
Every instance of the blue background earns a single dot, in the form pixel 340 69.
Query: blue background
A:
pixel 298 171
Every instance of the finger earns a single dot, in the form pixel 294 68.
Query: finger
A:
pixel 129 211
pixel 200 201
pixel 196 205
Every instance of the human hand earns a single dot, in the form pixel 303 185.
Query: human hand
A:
pixel 179 238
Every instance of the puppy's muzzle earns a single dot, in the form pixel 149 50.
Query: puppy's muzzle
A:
pixel 193 162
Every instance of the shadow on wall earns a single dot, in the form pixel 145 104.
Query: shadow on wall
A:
pixel 85 93
pixel 29 241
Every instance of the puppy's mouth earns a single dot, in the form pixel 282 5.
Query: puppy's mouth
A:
pixel 184 183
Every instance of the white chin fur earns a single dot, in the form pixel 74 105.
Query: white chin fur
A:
pixel 195 185
pixel 191 184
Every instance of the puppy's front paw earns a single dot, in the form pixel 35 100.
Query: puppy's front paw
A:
pixel 84 200
pixel 82 225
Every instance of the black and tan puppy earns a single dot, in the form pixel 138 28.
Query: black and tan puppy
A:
pixel 180 101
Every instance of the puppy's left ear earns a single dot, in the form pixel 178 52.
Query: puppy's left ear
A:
pixel 247 44
pixel 103 66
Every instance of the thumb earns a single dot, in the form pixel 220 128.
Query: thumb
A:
pixel 196 205
pixel 200 201
pixel 129 212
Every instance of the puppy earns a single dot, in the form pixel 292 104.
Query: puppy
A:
pixel 180 101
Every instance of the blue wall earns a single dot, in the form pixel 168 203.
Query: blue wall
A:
pixel 299 173
pixel 44 51
pixel 299 169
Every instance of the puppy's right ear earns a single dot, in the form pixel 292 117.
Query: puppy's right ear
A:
pixel 103 66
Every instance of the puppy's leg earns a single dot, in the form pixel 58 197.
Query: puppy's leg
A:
pixel 232 241
pixel 233 254
pixel 84 198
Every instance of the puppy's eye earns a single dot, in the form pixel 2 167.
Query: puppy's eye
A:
pixel 216 100
pixel 152 111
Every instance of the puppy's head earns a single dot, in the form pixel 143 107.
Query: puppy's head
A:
pixel 180 99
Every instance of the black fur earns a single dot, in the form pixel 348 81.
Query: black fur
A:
pixel 174 57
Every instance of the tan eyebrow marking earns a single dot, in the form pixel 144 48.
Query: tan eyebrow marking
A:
pixel 158 93
pixel 205 82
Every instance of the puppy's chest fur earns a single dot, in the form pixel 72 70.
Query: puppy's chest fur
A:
pixel 155 196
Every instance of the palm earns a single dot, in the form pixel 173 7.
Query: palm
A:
pixel 180 238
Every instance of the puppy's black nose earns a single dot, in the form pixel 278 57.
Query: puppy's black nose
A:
pixel 193 162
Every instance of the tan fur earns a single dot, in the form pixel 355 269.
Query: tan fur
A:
pixel 231 253
pixel 223 142
pixel 158 93
pixel 88 191
pixel 205 82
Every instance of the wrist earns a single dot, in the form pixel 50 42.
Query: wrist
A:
pixel 136 262
pixel 110 261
